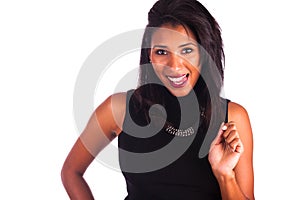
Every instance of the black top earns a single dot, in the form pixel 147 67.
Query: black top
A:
pixel 161 164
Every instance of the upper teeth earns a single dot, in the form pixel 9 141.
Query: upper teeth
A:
pixel 177 79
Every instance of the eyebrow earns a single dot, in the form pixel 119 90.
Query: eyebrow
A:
pixel 164 46
pixel 160 46
pixel 190 43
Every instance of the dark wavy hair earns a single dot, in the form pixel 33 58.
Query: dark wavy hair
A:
pixel 193 15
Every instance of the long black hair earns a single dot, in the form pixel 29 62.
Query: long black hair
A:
pixel 193 15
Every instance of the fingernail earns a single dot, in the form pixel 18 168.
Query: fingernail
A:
pixel 224 128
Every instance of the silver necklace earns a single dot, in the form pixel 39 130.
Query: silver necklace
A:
pixel 183 132
pixel 180 132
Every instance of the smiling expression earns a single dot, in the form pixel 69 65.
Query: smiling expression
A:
pixel 175 58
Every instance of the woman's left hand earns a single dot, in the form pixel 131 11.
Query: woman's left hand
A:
pixel 225 150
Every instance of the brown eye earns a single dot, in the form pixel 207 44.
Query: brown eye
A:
pixel 161 52
pixel 187 50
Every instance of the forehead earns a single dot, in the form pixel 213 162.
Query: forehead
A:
pixel 168 34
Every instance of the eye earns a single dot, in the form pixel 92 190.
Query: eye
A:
pixel 187 50
pixel 161 52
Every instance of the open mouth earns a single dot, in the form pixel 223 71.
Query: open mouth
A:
pixel 178 81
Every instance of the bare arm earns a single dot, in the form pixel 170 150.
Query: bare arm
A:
pixel 231 156
pixel 104 125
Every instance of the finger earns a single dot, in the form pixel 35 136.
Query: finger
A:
pixel 239 148
pixel 219 138
pixel 229 127
pixel 236 145
pixel 232 135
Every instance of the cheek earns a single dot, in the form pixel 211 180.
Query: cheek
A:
pixel 193 65
pixel 158 69
pixel 159 61
pixel 194 60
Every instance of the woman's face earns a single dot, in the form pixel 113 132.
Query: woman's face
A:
pixel 175 58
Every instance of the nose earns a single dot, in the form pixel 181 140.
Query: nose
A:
pixel 175 61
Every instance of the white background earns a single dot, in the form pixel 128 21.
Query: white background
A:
pixel 44 44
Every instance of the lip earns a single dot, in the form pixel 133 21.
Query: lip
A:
pixel 178 81
pixel 177 76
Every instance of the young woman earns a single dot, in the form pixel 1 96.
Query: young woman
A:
pixel 178 139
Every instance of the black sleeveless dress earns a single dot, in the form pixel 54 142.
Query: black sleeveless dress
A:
pixel 160 164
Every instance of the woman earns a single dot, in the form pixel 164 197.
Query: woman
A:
pixel 195 144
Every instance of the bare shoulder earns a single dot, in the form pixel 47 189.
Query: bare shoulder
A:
pixel 112 111
pixel 237 112
pixel 118 99
pixel 113 103
pixel 244 169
